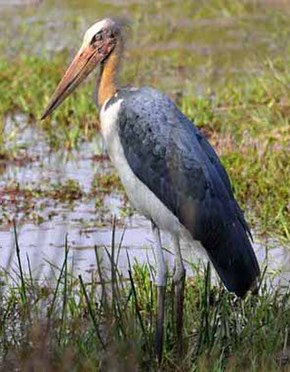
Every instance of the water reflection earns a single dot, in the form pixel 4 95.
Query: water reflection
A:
pixel 45 247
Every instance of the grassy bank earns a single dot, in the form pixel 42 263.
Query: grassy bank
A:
pixel 106 324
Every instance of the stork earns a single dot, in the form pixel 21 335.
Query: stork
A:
pixel 169 170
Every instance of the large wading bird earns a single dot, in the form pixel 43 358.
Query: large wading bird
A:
pixel 169 170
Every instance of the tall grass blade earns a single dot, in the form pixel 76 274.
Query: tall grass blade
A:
pixel 23 286
pixel 91 313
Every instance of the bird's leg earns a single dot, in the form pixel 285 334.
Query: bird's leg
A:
pixel 179 281
pixel 160 281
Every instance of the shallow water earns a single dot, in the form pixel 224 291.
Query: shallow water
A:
pixel 210 50
pixel 45 247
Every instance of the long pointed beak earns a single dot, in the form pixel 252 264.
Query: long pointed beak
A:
pixel 83 63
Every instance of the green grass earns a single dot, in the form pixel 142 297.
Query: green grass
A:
pixel 248 124
pixel 105 324
pixel 23 83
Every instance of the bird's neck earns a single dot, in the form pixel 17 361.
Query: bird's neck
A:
pixel 108 80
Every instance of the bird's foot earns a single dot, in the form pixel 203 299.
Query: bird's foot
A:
pixel 159 322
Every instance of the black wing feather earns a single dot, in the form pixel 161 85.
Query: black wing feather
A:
pixel 169 154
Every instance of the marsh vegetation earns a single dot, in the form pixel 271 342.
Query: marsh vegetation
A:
pixel 226 65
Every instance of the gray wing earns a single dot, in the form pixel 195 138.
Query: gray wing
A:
pixel 168 154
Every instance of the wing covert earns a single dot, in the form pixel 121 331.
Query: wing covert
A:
pixel 163 150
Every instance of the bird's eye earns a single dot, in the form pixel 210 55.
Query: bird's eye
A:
pixel 97 37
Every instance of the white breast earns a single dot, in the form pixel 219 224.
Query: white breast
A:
pixel 141 197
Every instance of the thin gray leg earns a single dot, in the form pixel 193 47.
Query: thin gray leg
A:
pixel 179 281
pixel 160 281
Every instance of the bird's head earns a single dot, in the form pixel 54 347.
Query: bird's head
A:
pixel 99 41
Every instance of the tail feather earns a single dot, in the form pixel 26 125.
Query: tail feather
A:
pixel 234 260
